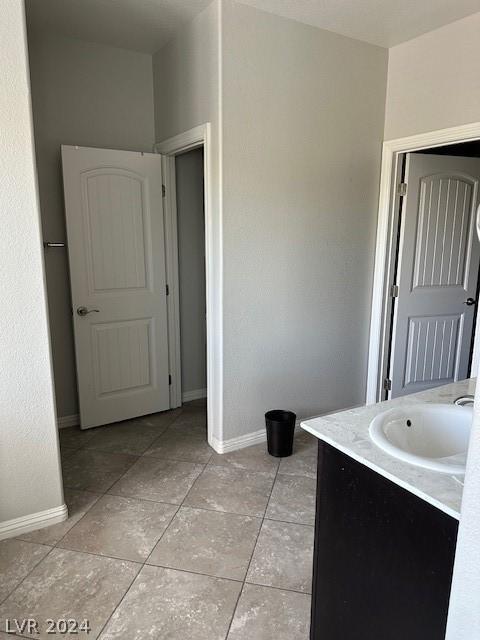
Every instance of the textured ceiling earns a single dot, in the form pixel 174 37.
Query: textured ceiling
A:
pixel 140 25
pixel 382 22
pixel 146 25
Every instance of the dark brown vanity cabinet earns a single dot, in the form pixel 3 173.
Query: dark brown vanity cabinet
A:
pixel 383 557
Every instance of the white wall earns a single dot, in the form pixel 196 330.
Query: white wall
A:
pixel 30 477
pixel 90 95
pixel 191 268
pixel 434 83
pixel 434 80
pixel 303 114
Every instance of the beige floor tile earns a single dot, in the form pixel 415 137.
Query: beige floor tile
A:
pixel 200 404
pixel 192 418
pixel 182 443
pixel 283 557
pixel 74 437
pixel 211 542
pixel 95 470
pixel 177 605
pixel 78 503
pixel 125 528
pixel 255 458
pixel 271 614
pixel 159 480
pixel 67 584
pixel 131 437
pixel 303 461
pixel 293 499
pixel 17 559
pixel 66 452
pixel 231 490
pixel 160 420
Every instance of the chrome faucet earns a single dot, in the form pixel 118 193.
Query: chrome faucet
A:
pixel 463 401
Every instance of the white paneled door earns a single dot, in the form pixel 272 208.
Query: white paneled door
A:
pixel 437 273
pixel 116 248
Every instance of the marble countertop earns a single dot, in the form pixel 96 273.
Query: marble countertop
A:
pixel 347 431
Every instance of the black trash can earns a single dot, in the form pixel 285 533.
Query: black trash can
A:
pixel 280 429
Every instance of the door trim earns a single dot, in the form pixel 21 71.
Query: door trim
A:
pixel 383 269
pixel 191 139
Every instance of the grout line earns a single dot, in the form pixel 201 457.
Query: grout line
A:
pixel 252 554
pixel 145 562
pixel 153 548
pixel 32 569
pixel 98 555
pixel 142 564
pixel 195 573
pixel 271 586
pixel 150 456
pixel 18 635
pixel 300 524
pixel 119 602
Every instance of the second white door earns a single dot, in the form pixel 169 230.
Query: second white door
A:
pixel 437 274
pixel 116 250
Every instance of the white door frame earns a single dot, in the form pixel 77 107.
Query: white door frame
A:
pixel 385 245
pixel 192 139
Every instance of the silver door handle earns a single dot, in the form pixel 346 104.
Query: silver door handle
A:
pixel 470 302
pixel 83 311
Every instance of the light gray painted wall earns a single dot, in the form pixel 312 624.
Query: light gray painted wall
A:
pixel 30 477
pixel 303 113
pixel 434 80
pixel 187 90
pixel 90 95
pixel 186 78
pixel 191 268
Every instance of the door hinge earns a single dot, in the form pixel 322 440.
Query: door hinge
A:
pixel 167 289
pixel 164 190
pixel 169 379
pixel 394 291
pixel 402 189
pixel 387 384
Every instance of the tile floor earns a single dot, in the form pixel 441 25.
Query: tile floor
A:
pixel 167 539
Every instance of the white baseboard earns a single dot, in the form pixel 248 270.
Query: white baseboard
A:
pixel 68 421
pixel 247 440
pixel 196 394
pixel 39 520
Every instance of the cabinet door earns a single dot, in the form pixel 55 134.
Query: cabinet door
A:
pixel 383 558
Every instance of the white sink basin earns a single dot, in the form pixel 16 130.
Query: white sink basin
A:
pixel 434 436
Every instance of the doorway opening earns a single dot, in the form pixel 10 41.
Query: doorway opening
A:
pixel 136 245
pixel 424 312
pixel 182 156
pixel 190 226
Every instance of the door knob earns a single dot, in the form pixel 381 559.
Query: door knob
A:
pixel 470 302
pixel 83 311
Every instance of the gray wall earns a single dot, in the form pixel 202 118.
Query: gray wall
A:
pixel 90 95
pixel 30 477
pixel 191 267
pixel 187 90
pixel 434 80
pixel 297 119
pixel 303 113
